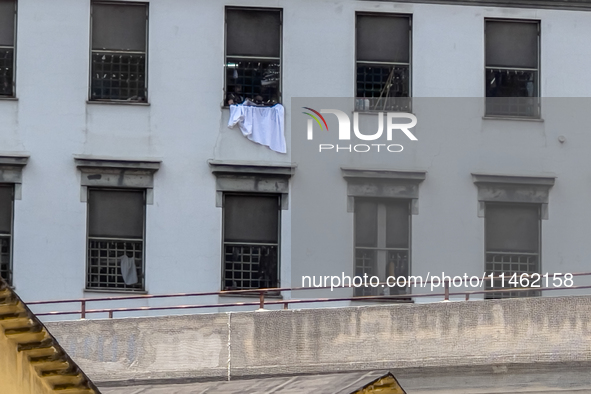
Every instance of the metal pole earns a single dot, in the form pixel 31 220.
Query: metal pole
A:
pixel 83 309
pixel 262 300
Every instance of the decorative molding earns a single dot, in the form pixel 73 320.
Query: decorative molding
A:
pixel 513 189
pixel 381 183
pixel 252 177
pixel 117 172
pixel 11 170
pixel 569 5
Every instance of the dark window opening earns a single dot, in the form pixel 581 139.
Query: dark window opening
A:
pixel 251 241
pixel 119 51
pixel 382 243
pixel 512 234
pixel 116 220
pixel 253 56
pixel 383 45
pixel 6 212
pixel 7 44
pixel 512 68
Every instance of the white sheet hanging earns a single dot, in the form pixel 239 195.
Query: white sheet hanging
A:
pixel 128 270
pixel 263 125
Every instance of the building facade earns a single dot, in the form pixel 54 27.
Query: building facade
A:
pixel 127 179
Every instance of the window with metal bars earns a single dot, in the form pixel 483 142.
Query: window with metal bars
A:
pixel 250 255
pixel 6 213
pixel 383 46
pixel 512 74
pixel 382 242
pixel 115 246
pixel 512 233
pixel 7 46
pixel 253 55
pixel 119 51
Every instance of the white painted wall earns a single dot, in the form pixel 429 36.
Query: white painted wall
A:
pixel 184 126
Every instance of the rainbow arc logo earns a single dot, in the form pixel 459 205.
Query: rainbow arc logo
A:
pixel 315 118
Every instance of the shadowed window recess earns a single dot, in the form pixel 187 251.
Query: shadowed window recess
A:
pixel 6 212
pixel 382 242
pixel 512 234
pixel 7 45
pixel 251 241
pixel 253 55
pixel 383 47
pixel 116 220
pixel 512 68
pixel 119 51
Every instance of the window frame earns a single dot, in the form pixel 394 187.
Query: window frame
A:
pixel 279 198
pixel 14 54
pixel 10 270
pixel 142 276
pixel 146 53
pixel 507 294
pixel 254 58
pixel 362 291
pixel 409 65
pixel 538 70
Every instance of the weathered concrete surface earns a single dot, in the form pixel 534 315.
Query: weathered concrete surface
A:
pixel 246 344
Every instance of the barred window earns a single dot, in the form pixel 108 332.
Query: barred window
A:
pixel 119 51
pixel 382 242
pixel 251 241
pixel 253 55
pixel 7 44
pixel 383 45
pixel 115 239
pixel 6 212
pixel 512 68
pixel 512 233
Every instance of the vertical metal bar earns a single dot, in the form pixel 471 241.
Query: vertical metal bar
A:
pixel 467 296
pixel 83 309
pixel 285 305
pixel 262 300
pixel 110 314
pixel 446 290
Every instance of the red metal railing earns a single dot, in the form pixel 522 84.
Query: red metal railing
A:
pixel 262 302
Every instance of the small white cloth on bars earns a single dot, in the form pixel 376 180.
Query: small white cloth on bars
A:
pixel 128 270
pixel 263 125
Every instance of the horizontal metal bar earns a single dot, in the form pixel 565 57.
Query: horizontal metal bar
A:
pixel 305 301
pixel 230 292
pixel 372 248
pixel 514 253
pixel 251 58
pixel 116 239
pixel 511 68
pixel 106 52
pixel 249 243
pixel 382 63
pixel 6 47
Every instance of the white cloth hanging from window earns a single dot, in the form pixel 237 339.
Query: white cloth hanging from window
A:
pixel 263 125
pixel 128 270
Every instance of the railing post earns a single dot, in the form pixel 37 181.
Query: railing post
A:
pixel 262 300
pixel 285 305
pixel 467 296
pixel 83 309
pixel 110 314
pixel 446 290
